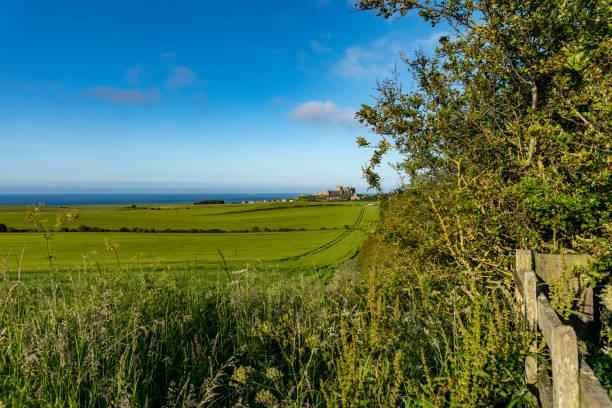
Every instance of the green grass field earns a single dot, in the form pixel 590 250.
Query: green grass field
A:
pixel 185 216
pixel 170 318
pixel 332 233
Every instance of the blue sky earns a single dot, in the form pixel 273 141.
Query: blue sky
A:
pixel 191 95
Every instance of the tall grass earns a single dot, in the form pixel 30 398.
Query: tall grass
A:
pixel 109 338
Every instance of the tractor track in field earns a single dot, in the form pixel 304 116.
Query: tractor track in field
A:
pixel 329 244
pixel 269 209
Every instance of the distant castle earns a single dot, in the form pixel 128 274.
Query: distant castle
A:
pixel 339 193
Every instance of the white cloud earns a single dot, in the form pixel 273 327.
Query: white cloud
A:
pixel 431 42
pixel 363 63
pixel 123 96
pixel 180 76
pixel 376 59
pixel 326 113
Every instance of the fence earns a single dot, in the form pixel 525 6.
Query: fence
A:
pixel 573 383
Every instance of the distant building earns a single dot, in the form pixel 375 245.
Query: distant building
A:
pixel 339 193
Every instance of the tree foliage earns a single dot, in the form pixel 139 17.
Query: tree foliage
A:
pixel 505 139
pixel 515 103
pixel 513 110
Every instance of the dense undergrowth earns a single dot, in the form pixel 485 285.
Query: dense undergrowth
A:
pixel 505 140
pixel 167 339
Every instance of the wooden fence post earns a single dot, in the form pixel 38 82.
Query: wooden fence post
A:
pixel 564 352
pixel 524 260
pixel 573 383
pixel 531 317
pixel 526 286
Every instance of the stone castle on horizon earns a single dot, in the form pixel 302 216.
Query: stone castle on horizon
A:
pixel 338 194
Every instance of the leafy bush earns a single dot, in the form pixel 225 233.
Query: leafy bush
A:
pixel 505 143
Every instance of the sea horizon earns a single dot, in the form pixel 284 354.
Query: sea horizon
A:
pixel 77 199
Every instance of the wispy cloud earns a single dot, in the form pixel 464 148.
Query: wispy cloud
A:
pixel 376 59
pixel 325 113
pixel 360 62
pixel 180 77
pixel 321 3
pixel 122 96
pixel 429 43
pixel 319 48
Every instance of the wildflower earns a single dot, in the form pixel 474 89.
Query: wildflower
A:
pixel 266 398
pixel 273 373
pixel 241 375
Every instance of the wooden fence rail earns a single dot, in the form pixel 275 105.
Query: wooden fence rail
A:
pixel 573 383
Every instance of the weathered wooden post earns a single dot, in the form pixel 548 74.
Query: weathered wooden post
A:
pixel 573 383
pixel 531 317
pixel 524 260
pixel 527 279
pixel 564 352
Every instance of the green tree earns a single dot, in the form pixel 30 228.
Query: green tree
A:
pixel 505 139
pixel 513 111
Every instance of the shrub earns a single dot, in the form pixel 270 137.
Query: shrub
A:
pixel 3 228
pixel 504 147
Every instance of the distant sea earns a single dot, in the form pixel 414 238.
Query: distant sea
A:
pixel 135 198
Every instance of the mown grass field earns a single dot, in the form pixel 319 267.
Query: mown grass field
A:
pixel 188 216
pixel 320 236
